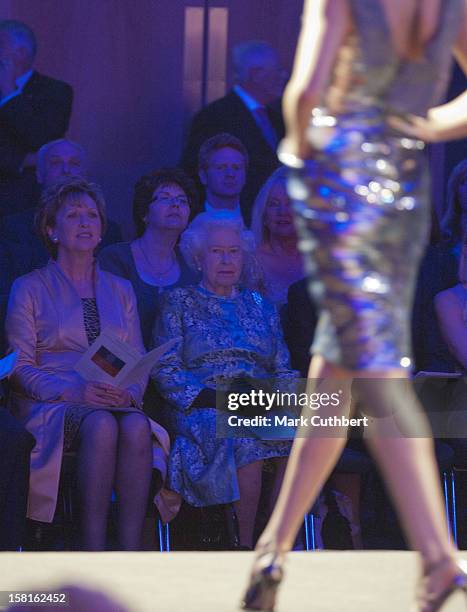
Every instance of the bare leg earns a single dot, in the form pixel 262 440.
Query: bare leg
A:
pixel 407 463
pixel 96 463
pixel 310 463
pixel 409 469
pixel 249 482
pixel 133 477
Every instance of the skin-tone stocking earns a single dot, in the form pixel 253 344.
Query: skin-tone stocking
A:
pixel 133 478
pixel 249 483
pixel 98 436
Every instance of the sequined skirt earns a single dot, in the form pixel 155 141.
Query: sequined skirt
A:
pixel 362 213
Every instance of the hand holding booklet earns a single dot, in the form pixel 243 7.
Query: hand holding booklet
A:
pixel 112 361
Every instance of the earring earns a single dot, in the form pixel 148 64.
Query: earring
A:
pixel 54 239
pixel 99 239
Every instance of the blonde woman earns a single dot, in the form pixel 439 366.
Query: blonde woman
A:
pixel 273 227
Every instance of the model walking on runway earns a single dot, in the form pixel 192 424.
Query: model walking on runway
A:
pixel 361 102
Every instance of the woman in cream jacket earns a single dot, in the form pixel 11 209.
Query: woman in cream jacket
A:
pixel 54 314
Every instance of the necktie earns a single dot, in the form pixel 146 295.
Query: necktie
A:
pixel 264 124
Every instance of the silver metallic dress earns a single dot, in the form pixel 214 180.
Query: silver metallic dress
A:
pixel 362 203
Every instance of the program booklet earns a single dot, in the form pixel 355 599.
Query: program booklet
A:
pixel 112 361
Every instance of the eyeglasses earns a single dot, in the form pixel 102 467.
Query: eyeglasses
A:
pixel 165 198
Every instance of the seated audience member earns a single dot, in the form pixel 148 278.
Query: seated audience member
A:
pixel 226 331
pixel 34 109
pixel 276 239
pixel 55 160
pixel 451 309
pixel 246 113
pixel 162 203
pixel 454 219
pixel 222 166
pixel 54 314
pixel 299 320
pixel 438 271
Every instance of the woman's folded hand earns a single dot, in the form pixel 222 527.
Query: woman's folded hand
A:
pixel 103 394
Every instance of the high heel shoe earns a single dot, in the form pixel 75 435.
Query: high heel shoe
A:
pixel 265 578
pixel 432 602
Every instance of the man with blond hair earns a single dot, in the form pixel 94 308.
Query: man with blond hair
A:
pixel 246 113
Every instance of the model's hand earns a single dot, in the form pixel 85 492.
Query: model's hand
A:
pixel 296 146
pixel 428 129
pixel 7 77
pixel 292 152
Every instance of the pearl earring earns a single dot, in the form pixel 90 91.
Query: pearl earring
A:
pixel 54 239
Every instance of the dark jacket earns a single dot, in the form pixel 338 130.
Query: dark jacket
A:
pixel 39 114
pixel 299 319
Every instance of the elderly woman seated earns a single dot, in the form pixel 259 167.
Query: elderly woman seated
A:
pixel 454 218
pixel 54 314
pixel 276 239
pixel 226 331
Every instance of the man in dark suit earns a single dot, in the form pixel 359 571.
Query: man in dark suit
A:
pixel 55 160
pixel 34 109
pixel 245 113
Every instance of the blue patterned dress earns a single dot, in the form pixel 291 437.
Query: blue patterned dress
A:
pixel 222 338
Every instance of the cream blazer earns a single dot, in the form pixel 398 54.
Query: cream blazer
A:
pixel 45 325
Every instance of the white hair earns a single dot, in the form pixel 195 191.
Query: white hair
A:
pixel 44 151
pixel 250 54
pixel 194 239
pixel 258 228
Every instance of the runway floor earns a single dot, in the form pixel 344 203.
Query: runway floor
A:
pixel 213 582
